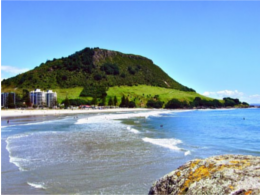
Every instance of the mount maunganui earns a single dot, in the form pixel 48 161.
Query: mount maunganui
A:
pixel 94 66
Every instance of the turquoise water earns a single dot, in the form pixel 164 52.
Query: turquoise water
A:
pixel 117 153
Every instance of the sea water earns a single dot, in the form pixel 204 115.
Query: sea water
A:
pixel 117 153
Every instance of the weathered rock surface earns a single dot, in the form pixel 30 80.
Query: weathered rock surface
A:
pixel 227 174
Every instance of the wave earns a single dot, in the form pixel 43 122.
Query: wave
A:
pixel 36 123
pixel 17 162
pixel 111 117
pixel 133 130
pixel 187 153
pixel 37 185
pixel 167 143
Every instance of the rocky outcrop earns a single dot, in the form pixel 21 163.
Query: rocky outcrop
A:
pixel 100 55
pixel 227 174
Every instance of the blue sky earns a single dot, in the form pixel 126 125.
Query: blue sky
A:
pixel 212 47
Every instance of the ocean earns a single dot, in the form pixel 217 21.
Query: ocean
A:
pixel 117 153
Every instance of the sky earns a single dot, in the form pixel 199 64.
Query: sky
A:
pixel 210 46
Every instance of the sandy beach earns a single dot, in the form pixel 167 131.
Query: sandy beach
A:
pixel 20 113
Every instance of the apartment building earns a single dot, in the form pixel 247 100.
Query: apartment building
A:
pixel 42 98
pixel 4 98
pixel 51 98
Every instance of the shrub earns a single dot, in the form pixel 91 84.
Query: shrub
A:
pixel 174 103
pixel 154 104
pixel 110 69
pixel 131 104
pixel 97 77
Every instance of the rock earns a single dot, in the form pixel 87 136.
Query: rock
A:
pixel 226 174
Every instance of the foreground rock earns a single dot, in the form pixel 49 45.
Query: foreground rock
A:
pixel 227 174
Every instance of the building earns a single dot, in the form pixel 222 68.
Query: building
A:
pixel 4 98
pixel 38 97
pixel 51 98
pixel 42 98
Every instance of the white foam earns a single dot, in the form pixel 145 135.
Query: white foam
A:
pixel 37 185
pixel 16 161
pixel 167 143
pixel 111 117
pixel 133 130
pixel 36 123
pixel 187 153
pixel 16 137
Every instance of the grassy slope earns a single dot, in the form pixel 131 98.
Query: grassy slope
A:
pixel 142 93
pixel 71 93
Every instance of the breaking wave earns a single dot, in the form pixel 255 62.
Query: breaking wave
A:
pixel 37 185
pixel 109 118
pixel 166 143
pixel 133 130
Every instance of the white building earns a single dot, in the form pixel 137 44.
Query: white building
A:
pixel 38 97
pixel 51 98
pixel 42 98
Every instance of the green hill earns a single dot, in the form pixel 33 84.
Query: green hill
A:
pixel 103 74
pixel 92 67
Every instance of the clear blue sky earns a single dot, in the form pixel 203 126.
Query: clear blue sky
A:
pixel 212 47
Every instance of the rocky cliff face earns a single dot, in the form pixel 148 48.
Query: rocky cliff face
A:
pixel 227 174
pixel 101 55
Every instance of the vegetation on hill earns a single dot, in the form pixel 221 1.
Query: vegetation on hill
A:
pixel 92 67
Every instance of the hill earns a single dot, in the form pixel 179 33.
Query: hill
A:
pixel 99 76
pixel 92 67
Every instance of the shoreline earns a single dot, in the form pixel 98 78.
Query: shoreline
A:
pixel 38 112
pixel 21 113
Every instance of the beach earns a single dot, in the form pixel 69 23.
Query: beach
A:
pixel 115 151
pixel 21 113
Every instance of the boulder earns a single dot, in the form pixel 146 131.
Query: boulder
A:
pixel 226 174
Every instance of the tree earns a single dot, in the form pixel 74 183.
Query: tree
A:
pixel 229 102
pixel 122 104
pixel 126 102
pixel 131 104
pixel 110 69
pixel 217 103
pixel 26 97
pixel 115 101
pixel 98 77
pixel 28 101
pixel 110 101
pixel 154 104
pixel 94 100
pixel 174 103
pixel 10 100
pixel 103 103
pixel 66 103
pixel 197 102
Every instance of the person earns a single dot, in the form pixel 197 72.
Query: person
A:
pixel 8 121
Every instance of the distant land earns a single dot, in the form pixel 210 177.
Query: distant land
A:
pixel 101 74
pixel 257 105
